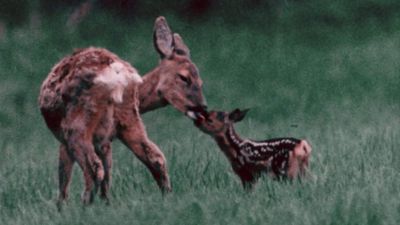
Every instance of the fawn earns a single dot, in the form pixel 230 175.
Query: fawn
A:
pixel 278 157
pixel 93 96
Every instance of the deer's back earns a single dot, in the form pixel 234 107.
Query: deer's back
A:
pixel 79 71
pixel 87 78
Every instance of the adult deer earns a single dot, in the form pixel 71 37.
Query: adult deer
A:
pixel 92 96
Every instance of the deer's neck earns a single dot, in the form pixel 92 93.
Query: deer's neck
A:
pixel 148 96
pixel 229 142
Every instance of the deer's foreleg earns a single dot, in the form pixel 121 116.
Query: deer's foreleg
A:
pixel 135 138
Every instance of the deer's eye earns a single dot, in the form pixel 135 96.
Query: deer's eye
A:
pixel 186 80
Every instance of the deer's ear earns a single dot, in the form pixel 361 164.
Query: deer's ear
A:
pixel 179 46
pixel 162 37
pixel 237 115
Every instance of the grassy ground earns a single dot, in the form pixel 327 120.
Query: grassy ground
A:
pixel 339 88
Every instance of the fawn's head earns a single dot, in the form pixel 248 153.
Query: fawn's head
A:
pixel 179 80
pixel 217 122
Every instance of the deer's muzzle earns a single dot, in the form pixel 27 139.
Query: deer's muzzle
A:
pixel 196 113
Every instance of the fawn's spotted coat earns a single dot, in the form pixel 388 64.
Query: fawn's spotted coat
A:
pixel 278 157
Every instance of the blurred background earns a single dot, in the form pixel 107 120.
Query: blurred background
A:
pixel 325 70
pixel 338 50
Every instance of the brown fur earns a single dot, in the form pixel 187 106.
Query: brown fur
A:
pixel 92 96
pixel 279 158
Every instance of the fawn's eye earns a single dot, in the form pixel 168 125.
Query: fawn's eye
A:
pixel 220 116
pixel 186 80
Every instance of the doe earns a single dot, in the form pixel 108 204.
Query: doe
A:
pixel 278 157
pixel 91 97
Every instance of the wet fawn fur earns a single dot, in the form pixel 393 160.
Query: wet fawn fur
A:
pixel 280 158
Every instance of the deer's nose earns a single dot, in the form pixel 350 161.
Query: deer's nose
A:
pixel 204 107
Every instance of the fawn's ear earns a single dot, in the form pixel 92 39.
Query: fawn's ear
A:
pixel 237 115
pixel 179 46
pixel 162 38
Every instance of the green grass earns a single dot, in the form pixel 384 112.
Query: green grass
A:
pixel 340 90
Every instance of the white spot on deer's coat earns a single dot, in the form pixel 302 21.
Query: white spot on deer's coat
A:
pixel 116 77
pixel 191 114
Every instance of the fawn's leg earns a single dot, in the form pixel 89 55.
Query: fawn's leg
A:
pixel 298 160
pixel 65 166
pixel 248 178
pixel 293 168
pixel 135 138
pixel 305 157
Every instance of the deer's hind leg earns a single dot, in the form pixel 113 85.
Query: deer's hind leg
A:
pixel 105 154
pixel 91 166
pixel 104 134
pixel 78 130
pixel 65 166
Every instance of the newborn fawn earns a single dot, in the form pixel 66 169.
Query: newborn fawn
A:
pixel 278 157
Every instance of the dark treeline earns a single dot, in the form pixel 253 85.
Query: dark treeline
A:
pixel 338 13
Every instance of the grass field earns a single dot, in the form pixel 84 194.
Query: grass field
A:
pixel 337 87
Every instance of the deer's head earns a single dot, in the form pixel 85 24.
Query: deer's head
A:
pixel 217 122
pixel 179 81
